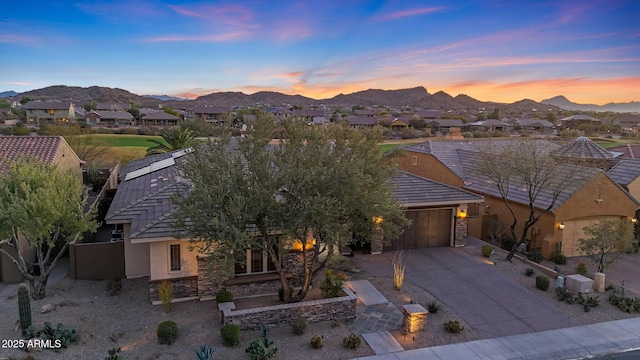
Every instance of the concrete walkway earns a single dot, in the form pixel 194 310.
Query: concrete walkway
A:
pixel 367 293
pixel 581 342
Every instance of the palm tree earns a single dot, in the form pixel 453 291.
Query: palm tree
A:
pixel 175 138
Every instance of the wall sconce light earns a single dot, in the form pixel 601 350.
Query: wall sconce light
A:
pixel 377 220
pixel 634 220
pixel 561 226
pixel 462 214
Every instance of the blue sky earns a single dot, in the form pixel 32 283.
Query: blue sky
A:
pixel 492 50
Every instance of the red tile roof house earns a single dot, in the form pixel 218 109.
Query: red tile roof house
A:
pixel 52 150
pixel 153 249
pixel 49 112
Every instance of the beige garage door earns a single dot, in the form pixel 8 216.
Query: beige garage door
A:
pixel 573 230
pixel 429 228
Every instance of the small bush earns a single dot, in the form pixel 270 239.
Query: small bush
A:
pixel 581 268
pixel 114 286
pixel 535 256
pixel 48 332
pixel 352 342
pixel 224 296
pixel 529 271
pixel 261 349
pixel 316 341
pixel 542 282
pixel 453 327
pixel 230 334
pixel 560 259
pixel 167 332
pixel 332 285
pixel 299 325
pixel 565 295
pixel 433 307
pixel 166 295
pixel 486 250
pixel 114 354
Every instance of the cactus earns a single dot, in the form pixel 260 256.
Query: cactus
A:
pixel 24 307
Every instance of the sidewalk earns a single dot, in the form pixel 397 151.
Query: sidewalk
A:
pixel 580 342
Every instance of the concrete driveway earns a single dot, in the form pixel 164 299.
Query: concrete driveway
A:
pixel 484 297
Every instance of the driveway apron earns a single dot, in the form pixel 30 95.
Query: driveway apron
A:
pixel 484 297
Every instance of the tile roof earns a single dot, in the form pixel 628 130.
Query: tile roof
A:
pixel 625 171
pixel 631 151
pixel 355 120
pixel 445 122
pixel 47 105
pixel 160 115
pixel 118 115
pixel 582 148
pixel 413 191
pixel 581 117
pixel 45 148
pixel 531 122
pixel 206 109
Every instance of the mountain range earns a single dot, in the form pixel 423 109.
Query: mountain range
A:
pixel 417 97
pixel 564 103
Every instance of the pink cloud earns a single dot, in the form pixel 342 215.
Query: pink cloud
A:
pixel 405 13
pixel 18 83
pixel 214 38
pixel 292 29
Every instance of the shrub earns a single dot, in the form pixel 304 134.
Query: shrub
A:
pixel 332 285
pixel 453 327
pixel 66 336
pixel 535 256
pixel 486 250
pixel 114 286
pixel 166 295
pixel 299 325
pixel 507 242
pixel 352 342
pixel 224 296
pixel 230 334
pixel 167 332
pixel 316 341
pixel 529 271
pixel 560 259
pixel 205 353
pixel 581 268
pixel 433 307
pixel 114 354
pixel 261 349
pixel 565 295
pixel 542 282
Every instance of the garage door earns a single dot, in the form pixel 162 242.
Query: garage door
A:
pixel 573 230
pixel 429 228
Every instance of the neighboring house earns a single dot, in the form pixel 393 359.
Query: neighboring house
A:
pixel 110 118
pixel 160 118
pixel 429 114
pixel 211 114
pixel 308 115
pixel 626 173
pixel 443 124
pixel 628 122
pixel 49 112
pixel 629 151
pixel 363 113
pixel 113 107
pixel 534 125
pixel 360 122
pixel 489 125
pixel 580 119
pixel 593 198
pixel 53 150
pixel 399 124
pixel 279 112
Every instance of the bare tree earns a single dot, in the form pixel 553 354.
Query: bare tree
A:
pixel 608 240
pixel 525 172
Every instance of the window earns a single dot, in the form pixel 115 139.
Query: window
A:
pixel 414 160
pixel 253 262
pixel 174 258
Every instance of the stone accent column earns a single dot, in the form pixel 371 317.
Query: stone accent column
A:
pixel 414 317
pixel 461 232
pixel 598 282
pixel 292 263
pixel 210 277
pixel 377 243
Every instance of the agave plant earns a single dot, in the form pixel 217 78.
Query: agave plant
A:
pixel 205 353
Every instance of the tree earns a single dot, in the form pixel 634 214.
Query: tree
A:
pixel 495 114
pixel 91 105
pixel 88 148
pixel 328 182
pixel 170 110
pixel 40 207
pixel 551 117
pixel 527 169
pixel 608 240
pixel 174 138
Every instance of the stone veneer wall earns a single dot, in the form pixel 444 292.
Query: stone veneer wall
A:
pixel 254 288
pixel 339 308
pixel 186 287
pixel 210 278
pixel 292 263
pixel 461 232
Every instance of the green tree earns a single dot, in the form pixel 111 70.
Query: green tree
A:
pixel 526 168
pixel 170 110
pixel 329 182
pixel 134 110
pixel 174 138
pixel 40 207
pixel 607 241
pixel 24 100
pixel 91 105
pixel 495 114
pixel 551 117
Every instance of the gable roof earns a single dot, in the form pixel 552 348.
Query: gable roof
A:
pixel 414 191
pixel 44 148
pixel 48 105
pixel 117 115
pixel 631 151
pixel 581 117
pixel 530 122
pixel 160 115
pixel 625 171
pixel 445 122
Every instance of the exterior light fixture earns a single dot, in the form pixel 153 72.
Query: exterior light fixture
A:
pixel 561 226
pixel 634 220
pixel 462 214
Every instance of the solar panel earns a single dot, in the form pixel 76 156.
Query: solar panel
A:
pixel 158 165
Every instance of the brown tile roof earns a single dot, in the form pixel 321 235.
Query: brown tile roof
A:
pixel 46 105
pixel 582 148
pixel 45 148
pixel 631 151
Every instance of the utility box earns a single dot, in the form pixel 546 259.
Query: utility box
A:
pixel 579 284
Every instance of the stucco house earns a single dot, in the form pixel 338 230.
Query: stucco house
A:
pixel 594 197
pixel 49 112
pixel 109 118
pixel 160 118
pixel 53 150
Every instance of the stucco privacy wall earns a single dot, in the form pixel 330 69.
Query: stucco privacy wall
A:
pixel 136 256
pixel 339 308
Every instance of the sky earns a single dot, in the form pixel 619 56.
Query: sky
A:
pixel 492 50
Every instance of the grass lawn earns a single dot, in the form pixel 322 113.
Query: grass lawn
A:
pixel 119 140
